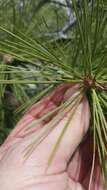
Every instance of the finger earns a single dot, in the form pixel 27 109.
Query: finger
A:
pixel 55 182
pixel 74 134
pixel 97 182
pixel 81 162
pixel 44 106
pixel 47 104
pixel 80 166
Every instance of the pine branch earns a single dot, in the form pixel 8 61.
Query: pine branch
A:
pixel 84 62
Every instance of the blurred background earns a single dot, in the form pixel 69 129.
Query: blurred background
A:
pixel 50 21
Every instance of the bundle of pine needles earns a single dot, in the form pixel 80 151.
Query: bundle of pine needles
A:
pixel 83 60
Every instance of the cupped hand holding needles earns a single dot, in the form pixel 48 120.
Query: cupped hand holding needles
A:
pixel 52 154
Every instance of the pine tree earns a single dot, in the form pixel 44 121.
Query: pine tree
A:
pixel 42 60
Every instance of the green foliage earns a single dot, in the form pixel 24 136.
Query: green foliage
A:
pixel 83 60
pixel 20 77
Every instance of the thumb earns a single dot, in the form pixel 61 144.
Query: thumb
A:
pixel 76 129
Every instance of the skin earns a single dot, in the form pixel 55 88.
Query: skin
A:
pixel 71 166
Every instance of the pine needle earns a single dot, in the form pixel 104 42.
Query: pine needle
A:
pixel 81 61
pixel 56 146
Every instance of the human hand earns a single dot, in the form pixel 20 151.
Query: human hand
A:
pixel 71 166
